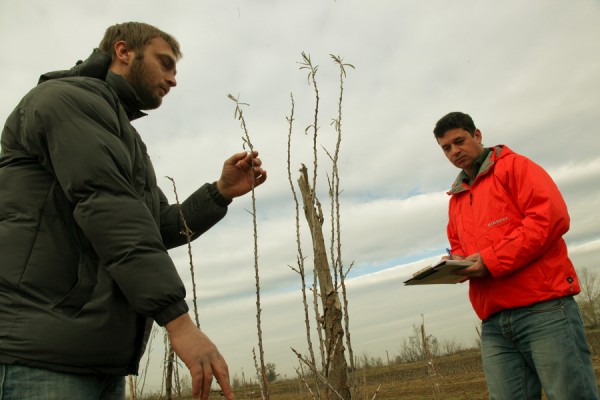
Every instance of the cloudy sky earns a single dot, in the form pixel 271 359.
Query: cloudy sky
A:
pixel 527 72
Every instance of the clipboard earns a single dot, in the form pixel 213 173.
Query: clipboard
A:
pixel 439 273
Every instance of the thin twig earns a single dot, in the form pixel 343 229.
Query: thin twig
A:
pixel 301 376
pixel 239 114
pixel 336 200
pixel 311 79
pixel 431 369
pixel 314 369
pixel 307 64
pixel 187 232
pixel 300 257
pixel 258 374
pixel 376 391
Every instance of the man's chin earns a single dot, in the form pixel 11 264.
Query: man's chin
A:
pixel 460 163
pixel 152 104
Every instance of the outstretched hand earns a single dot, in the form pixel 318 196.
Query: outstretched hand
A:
pixel 200 355
pixel 241 172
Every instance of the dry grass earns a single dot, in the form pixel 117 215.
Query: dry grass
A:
pixel 461 378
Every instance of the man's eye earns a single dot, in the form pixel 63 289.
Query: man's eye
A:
pixel 166 63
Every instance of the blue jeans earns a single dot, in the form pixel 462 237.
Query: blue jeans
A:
pixel 18 382
pixel 541 346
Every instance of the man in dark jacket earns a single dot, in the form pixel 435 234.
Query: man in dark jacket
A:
pixel 84 228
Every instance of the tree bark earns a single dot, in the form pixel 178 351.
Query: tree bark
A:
pixel 131 388
pixel 169 373
pixel 335 364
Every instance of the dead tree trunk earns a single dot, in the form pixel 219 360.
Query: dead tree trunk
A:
pixel 336 366
pixel 169 373
pixel 131 388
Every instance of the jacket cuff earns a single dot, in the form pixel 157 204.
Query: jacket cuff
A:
pixel 216 196
pixel 170 313
pixel 491 262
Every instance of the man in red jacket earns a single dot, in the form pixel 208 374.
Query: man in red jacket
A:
pixel 508 217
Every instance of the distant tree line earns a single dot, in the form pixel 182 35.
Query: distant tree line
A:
pixel 589 298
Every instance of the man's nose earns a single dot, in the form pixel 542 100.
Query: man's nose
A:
pixel 171 80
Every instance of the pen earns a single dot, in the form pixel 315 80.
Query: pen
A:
pixel 449 253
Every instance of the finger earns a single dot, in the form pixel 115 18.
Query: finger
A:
pixel 222 378
pixel 196 384
pixel 258 171
pixel 206 382
pixel 248 162
pixel 259 180
pixel 236 158
pixel 252 159
pixel 257 162
pixel 464 271
pixel 244 164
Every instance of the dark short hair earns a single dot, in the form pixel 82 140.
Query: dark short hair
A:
pixel 454 120
pixel 136 35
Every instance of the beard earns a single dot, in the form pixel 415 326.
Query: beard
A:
pixel 138 78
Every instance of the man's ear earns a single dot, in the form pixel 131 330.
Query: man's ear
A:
pixel 122 58
pixel 123 53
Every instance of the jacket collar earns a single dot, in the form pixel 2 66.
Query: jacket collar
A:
pixel 493 154
pixel 129 98
pixel 96 66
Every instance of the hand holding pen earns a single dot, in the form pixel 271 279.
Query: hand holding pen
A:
pixel 449 256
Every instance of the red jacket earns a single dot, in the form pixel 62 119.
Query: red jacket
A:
pixel 515 217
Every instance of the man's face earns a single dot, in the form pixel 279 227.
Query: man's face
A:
pixel 461 148
pixel 152 73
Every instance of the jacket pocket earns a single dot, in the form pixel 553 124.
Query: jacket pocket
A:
pixel 61 268
pixel 81 293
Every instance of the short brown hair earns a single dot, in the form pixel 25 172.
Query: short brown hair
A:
pixel 136 35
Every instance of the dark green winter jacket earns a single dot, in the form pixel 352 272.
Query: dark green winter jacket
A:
pixel 84 228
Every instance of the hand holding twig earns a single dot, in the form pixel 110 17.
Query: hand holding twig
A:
pixel 241 173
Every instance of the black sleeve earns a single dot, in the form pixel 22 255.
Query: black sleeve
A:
pixel 202 210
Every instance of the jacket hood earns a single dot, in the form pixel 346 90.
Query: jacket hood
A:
pixel 95 66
